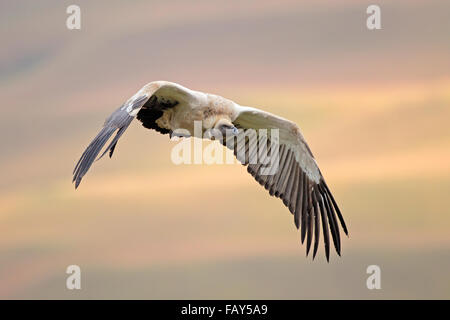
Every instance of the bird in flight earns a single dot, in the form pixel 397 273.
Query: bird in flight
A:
pixel 170 108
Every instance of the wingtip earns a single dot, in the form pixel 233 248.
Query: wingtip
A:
pixel 111 151
pixel 327 253
pixel 307 251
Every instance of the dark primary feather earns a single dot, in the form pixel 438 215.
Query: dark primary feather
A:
pixel 308 201
pixel 113 143
pixel 316 223
pixel 326 237
pixel 294 196
pixel 88 156
pixel 341 218
pixel 111 151
pixel 302 208
pixel 118 120
pixel 333 223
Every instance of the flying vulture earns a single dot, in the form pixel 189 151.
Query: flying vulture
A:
pixel 168 107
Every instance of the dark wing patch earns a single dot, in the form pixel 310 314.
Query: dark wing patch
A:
pixel 310 203
pixel 152 110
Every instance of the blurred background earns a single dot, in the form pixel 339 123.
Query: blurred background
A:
pixel 373 105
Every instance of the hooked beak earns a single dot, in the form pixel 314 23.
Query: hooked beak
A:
pixel 234 131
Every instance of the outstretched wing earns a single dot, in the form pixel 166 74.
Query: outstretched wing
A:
pixel 118 121
pixel 148 105
pixel 298 180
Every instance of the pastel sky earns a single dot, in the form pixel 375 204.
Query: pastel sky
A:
pixel 373 106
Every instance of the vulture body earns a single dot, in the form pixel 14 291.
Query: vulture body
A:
pixel 170 108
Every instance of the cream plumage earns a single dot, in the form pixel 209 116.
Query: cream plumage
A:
pixel 168 107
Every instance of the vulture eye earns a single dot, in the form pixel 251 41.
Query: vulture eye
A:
pixel 226 127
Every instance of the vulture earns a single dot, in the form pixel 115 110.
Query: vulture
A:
pixel 170 108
